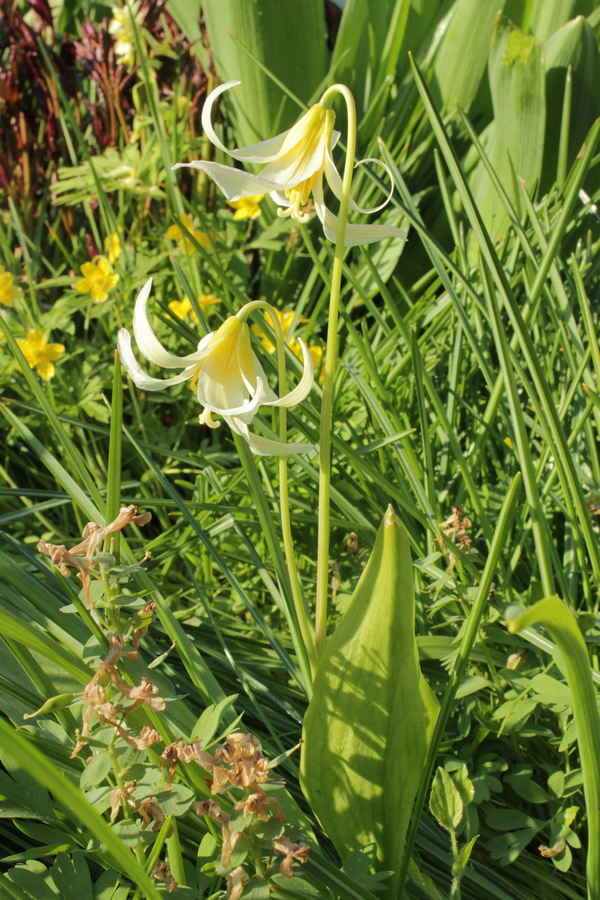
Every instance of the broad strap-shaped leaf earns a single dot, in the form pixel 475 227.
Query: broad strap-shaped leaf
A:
pixel 514 141
pixel 368 726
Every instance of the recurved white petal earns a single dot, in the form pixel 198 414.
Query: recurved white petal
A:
pixel 264 446
pixel 140 378
pixel 234 183
pixel 355 234
pixel 263 152
pixel 297 394
pixel 149 345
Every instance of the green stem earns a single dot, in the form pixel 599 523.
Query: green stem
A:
pixel 306 629
pixel 329 372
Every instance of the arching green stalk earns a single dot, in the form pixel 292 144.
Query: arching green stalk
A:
pixel 329 371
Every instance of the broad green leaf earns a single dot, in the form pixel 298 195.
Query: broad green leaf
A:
pixel 554 615
pixel 460 61
pixel 572 45
pixel 281 37
pixel 514 142
pixel 446 802
pixel 550 15
pixel 371 701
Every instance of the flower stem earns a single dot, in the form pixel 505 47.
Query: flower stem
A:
pixel 330 364
pixel 306 629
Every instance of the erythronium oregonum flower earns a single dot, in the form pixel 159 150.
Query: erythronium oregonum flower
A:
pixel 224 372
pixel 295 162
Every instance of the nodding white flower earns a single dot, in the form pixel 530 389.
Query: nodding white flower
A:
pixel 295 162
pixel 224 372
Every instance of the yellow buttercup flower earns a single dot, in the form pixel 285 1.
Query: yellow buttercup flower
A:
pixel 286 317
pixel 9 292
pixel 112 245
pixel 98 279
pixel 246 207
pixel 181 308
pixel 295 163
pixel 175 233
pixel 317 354
pixel 224 372
pixel 40 355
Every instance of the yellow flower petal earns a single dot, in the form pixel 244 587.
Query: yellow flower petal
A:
pixel 99 279
pixel 39 354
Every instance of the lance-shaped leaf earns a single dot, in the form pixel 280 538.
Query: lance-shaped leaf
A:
pixel 554 615
pixel 369 723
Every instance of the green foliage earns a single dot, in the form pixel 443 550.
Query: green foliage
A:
pixel 262 57
pixel 464 362
pixel 370 699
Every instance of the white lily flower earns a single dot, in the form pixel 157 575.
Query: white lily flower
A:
pixel 224 372
pixel 295 162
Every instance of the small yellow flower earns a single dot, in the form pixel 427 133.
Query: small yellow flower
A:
pixel 112 245
pixel 39 353
pixel 8 290
pixel 246 207
pixel 286 317
pixel 318 357
pixel 174 233
pixel 98 279
pixel 182 307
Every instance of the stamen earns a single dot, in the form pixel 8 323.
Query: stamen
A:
pixel 298 197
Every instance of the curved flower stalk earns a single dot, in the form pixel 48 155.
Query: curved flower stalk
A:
pixel 295 163
pixel 224 372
